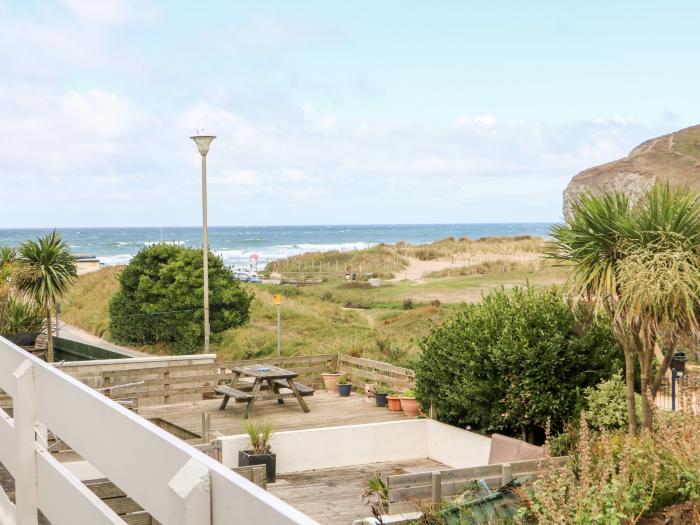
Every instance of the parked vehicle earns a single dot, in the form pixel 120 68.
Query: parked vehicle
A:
pixel 243 277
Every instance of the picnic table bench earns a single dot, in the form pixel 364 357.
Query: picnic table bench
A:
pixel 273 378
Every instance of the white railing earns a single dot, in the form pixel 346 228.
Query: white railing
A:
pixel 172 481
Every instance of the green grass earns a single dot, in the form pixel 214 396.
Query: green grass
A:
pixel 316 319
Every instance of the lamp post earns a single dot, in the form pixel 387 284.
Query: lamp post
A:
pixel 203 142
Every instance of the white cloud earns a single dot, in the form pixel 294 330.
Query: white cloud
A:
pixel 481 120
pixel 108 12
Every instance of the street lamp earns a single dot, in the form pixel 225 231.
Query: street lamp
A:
pixel 203 142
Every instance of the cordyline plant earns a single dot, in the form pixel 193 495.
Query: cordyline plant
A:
pixel 642 265
pixel 43 272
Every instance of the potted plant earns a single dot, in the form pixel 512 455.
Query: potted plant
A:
pixel 260 452
pixel 394 401
pixel 409 404
pixel 344 385
pixel 330 381
pixel 380 395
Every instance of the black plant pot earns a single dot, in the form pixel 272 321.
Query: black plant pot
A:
pixel 247 458
pixel 24 339
pixel 344 390
pixel 380 399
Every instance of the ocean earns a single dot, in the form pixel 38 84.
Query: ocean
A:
pixel 236 244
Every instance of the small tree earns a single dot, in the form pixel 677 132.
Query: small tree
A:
pixel 44 271
pixel 514 362
pixel 161 294
pixel 642 265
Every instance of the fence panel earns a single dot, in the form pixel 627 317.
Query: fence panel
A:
pixel 364 371
pixel 406 490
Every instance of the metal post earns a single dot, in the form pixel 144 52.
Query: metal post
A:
pixel 674 378
pixel 205 254
pixel 279 331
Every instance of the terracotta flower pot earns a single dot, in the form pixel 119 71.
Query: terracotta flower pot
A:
pixel 394 403
pixel 330 381
pixel 410 406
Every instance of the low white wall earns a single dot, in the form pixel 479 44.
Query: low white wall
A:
pixel 332 447
pixel 335 447
pixel 451 446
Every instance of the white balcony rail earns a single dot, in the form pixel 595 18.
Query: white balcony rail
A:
pixel 172 481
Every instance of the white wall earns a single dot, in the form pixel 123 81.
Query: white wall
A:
pixel 332 447
pixel 335 447
pixel 449 445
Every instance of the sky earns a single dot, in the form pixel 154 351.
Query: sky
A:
pixel 328 112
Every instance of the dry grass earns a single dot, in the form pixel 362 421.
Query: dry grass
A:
pixel 387 260
pixel 86 304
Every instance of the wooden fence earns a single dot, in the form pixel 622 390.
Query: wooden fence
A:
pixel 175 384
pixel 365 371
pixel 406 490
pixel 172 380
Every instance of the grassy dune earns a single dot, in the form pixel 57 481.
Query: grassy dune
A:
pixel 349 317
pixel 388 260
pixel 86 304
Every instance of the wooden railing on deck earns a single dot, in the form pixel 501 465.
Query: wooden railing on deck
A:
pixel 365 371
pixel 174 384
pixel 407 490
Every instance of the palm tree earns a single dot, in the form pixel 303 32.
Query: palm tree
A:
pixel 660 281
pixel 44 272
pixel 591 244
pixel 642 265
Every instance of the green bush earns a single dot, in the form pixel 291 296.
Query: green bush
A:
pixel 606 404
pixel 161 294
pixel 514 362
pixel 19 316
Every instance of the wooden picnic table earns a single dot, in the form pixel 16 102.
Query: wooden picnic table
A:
pixel 275 378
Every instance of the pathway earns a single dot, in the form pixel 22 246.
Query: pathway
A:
pixel 73 333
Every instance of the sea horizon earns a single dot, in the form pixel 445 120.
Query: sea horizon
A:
pixel 236 244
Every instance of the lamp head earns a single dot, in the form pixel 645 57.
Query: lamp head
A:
pixel 203 142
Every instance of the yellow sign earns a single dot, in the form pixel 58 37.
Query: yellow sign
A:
pixel 278 299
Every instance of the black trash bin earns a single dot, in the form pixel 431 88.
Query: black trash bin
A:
pixel 678 361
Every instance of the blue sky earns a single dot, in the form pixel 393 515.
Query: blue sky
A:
pixel 328 112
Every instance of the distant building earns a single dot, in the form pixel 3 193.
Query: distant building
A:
pixel 86 263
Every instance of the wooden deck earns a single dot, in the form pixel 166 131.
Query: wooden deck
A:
pixel 334 496
pixel 326 411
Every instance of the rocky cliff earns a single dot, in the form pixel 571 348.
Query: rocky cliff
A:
pixel 674 157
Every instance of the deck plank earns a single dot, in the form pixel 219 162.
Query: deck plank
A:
pixel 334 496
pixel 327 410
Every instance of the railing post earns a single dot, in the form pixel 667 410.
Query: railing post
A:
pixel 24 406
pixel 506 474
pixel 206 427
pixel 436 492
pixel 190 495
pixel 674 378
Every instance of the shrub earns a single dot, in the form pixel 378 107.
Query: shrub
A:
pixel 606 404
pixel 327 296
pixel 160 299
pixel 617 478
pixel 19 316
pixel 408 304
pixel 513 362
